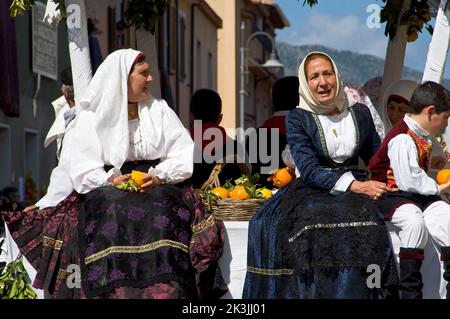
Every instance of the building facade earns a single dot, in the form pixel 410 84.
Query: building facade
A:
pixel 254 15
pixel 22 132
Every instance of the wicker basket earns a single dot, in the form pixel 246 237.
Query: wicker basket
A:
pixel 229 209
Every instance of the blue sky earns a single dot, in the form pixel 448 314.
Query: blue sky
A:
pixel 342 25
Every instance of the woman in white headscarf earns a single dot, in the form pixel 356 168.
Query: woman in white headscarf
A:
pixel 316 237
pixel 395 102
pixel 145 244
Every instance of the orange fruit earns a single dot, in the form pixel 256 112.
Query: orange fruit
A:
pixel 239 192
pixel 443 176
pixel 412 37
pixel 220 192
pixel 137 176
pixel 282 177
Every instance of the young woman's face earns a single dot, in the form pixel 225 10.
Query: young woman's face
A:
pixel 321 80
pixel 139 82
pixel 397 110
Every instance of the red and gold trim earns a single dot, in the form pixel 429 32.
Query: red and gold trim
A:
pixel 424 152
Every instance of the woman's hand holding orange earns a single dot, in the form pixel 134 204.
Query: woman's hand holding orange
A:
pixel 445 188
pixel 119 179
pixel 149 181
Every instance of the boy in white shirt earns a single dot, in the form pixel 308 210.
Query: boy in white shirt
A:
pixel 414 206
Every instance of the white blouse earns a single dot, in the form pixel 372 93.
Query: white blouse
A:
pixel 175 149
pixel 402 152
pixel 136 151
pixel 340 137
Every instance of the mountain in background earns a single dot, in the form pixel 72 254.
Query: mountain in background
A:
pixel 355 68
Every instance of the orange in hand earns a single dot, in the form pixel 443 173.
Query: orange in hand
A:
pixel 282 177
pixel 443 176
pixel 137 176
pixel 239 192
pixel 220 192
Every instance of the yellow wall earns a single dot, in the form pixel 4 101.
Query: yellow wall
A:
pixel 228 59
pixel 257 101
pixel 206 32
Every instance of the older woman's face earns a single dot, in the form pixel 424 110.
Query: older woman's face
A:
pixel 321 80
pixel 139 82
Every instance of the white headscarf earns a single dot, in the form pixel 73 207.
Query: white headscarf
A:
pixel 307 100
pixel 402 88
pixel 107 97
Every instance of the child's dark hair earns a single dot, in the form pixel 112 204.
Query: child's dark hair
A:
pixel 430 93
pixel 206 105
pixel 285 94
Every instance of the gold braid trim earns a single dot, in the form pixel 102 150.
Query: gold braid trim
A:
pixel 270 272
pixel 203 225
pixel 63 274
pixel 331 226
pixel 135 249
pixel 52 243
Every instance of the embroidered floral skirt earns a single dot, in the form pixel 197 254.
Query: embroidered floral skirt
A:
pixel 159 244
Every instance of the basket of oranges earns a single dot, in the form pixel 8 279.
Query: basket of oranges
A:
pixel 236 200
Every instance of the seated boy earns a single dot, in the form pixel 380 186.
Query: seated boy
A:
pixel 212 144
pixel 414 206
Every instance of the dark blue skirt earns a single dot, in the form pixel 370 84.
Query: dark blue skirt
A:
pixel 268 274
pixel 307 243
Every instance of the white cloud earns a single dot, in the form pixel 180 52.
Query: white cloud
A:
pixel 340 33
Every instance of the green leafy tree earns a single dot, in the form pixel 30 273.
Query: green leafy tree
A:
pixel 145 13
